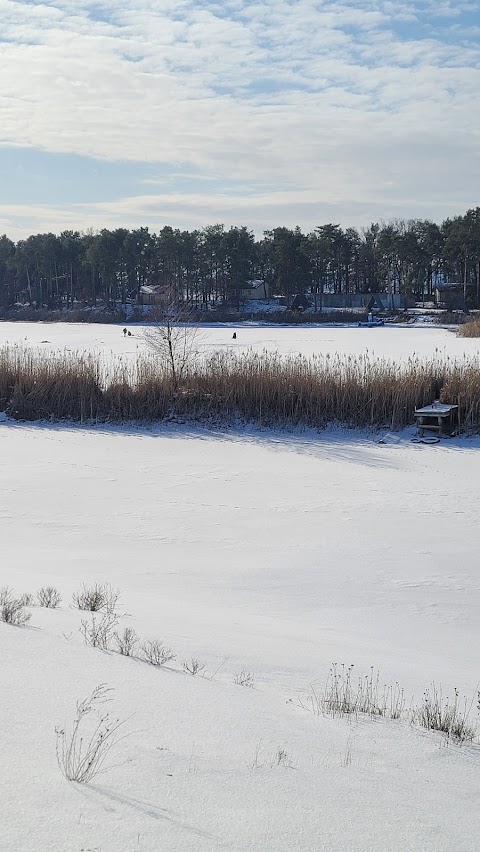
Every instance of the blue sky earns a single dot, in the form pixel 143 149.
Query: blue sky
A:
pixel 281 112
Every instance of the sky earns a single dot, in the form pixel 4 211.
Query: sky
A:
pixel 281 112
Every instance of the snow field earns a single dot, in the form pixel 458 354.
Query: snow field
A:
pixel 273 553
pixel 197 769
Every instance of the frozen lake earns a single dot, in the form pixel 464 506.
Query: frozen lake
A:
pixel 258 555
pixel 262 553
pixel 398 343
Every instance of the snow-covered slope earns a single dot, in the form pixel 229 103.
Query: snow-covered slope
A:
pixel 201 767
pixel 274 554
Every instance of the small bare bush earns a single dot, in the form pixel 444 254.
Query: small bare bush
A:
pixel 27 599
pixel 126 642
pixel 193 666
pixel 156 653
pixel 96 597
pixel 450 716
pixel 244 678
pixel 99 632
pixel 49 597
pixel 82 750
pixel 12 610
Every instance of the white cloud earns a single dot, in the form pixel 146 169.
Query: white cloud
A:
pixel 314 96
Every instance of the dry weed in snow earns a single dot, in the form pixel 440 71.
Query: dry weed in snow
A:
pixel 82 750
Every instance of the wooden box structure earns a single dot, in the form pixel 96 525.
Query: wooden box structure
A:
pixel 438 417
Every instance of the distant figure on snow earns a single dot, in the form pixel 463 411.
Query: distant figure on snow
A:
pixel 124 332
pixel 129 333
pixel 234 335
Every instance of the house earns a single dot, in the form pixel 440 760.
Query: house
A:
pixel 155 294
pixel 255 289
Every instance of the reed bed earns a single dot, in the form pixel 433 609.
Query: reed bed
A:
pixel 470 328
pixel 263 389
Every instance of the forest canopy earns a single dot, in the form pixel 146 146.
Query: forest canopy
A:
pixel 212 265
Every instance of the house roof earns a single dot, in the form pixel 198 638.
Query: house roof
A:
pixel 253 285
pixel 151 289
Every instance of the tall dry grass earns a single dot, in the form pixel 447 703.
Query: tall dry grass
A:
pixel 34 387
pixel 264 389
pixel 470 328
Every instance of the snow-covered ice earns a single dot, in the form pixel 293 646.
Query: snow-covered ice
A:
pixel 399 342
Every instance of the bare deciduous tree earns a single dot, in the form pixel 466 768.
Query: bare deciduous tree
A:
pixel 174 340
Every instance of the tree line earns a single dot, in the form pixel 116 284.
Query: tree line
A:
pixel 213 265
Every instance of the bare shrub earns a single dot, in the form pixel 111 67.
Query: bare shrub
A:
pixel 12 610
pixel 49 597
pixel 126 642
pixel 99 632
pixel 193 666
pixel 450 716
pixel 96 597
pixel 27 599
pixel 156 653
pixel 244 678
pixel 82 750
